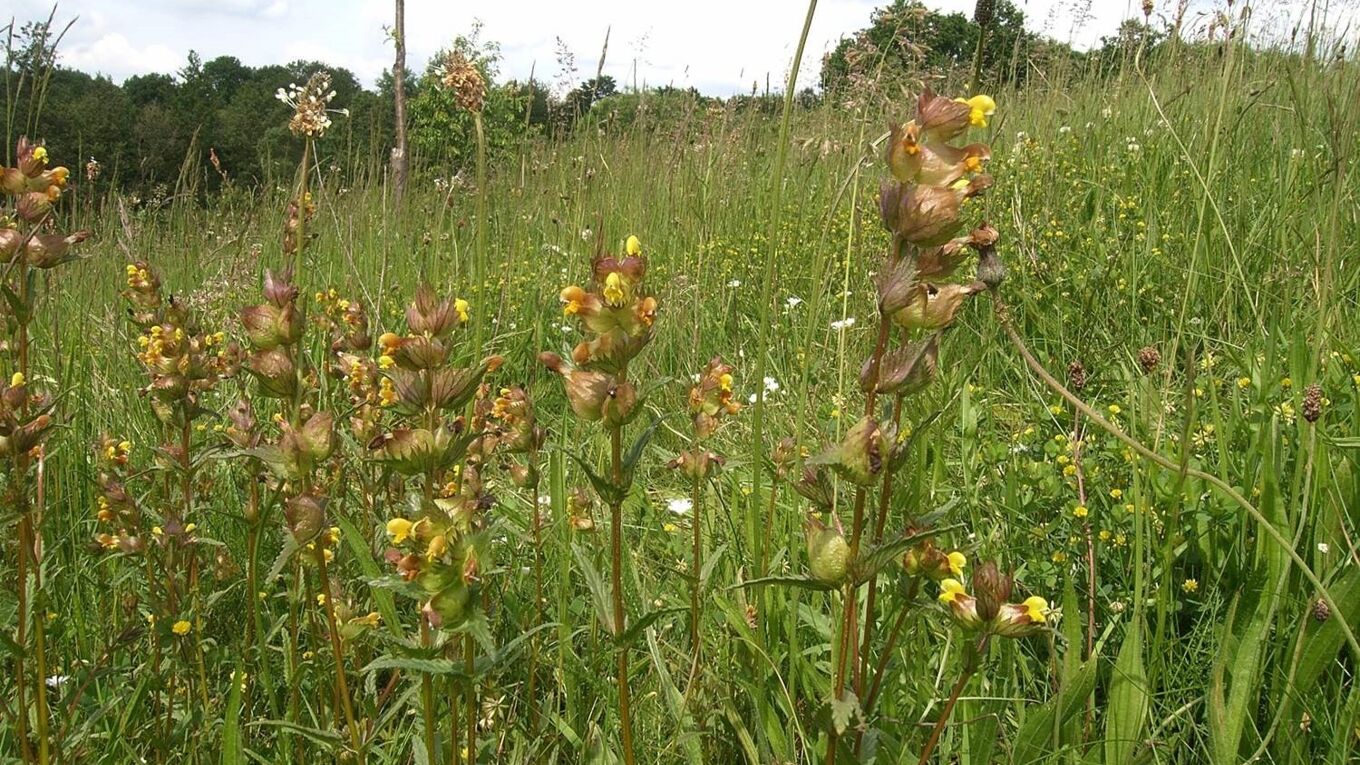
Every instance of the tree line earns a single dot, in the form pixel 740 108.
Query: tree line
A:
pixel 218 122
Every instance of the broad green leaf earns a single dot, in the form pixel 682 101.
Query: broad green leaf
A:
pixel 1126 715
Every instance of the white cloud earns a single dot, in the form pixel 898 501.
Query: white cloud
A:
pixel 718 46
pixel 114 55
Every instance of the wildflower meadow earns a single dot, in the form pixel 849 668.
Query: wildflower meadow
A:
pixel 1000 407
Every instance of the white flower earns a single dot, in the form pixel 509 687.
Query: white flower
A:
pixel 845 323
pixel 57 681
pixel 1295 153
pixel 1064 130
pixel 566 329
pixel 793 301
pixel 680 506
pixel 1324 548
pixel 771 385
pixel 734 283
pixel 1107 112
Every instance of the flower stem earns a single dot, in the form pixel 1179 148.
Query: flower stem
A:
pixel 338 650
pixel 697 563
pixel 616 580
pixel 946 712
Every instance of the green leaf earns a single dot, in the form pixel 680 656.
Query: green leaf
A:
pixel 1237 672
pixel 1034 741
pixel 355 541
pixel 1128 701
pixel 600 595
pixel 290 546
pixel 327 738
pixel 873 561
pixel 436 667
pixel 609 492
pixel 231 722
pixel 805 582
pixel 635 629
pixel 844 711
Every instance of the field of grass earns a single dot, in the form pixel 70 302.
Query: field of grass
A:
pixel 1204 209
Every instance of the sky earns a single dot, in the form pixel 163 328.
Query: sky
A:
pixel 720 47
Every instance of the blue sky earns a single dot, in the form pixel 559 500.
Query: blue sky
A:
pixel 718 46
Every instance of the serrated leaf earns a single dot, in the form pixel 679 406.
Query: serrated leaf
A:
pixel 903 450
pixel 635 629
pixel 290 546
pixel 844 711
pixel 326 738
pixel 873 561
pixel 609 492
pixel 600 595
pixel 804 582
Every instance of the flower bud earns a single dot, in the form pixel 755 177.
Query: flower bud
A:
pixel 861 455
pixel 828 552
pixel 305 515
pixel 992 589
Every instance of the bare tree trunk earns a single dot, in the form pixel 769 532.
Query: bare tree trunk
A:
pixel 400 160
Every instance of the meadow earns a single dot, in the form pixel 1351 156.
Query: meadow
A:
pixel 1179 236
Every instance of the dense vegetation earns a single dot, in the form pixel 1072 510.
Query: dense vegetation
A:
pixel 236 560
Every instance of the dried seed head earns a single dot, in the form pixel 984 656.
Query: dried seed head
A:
pixel 1076 375
pixel 1321 611
pixel 1149 358
pixel 461 77
pixel 984 12
pixel 1147 8
pixel 1312 402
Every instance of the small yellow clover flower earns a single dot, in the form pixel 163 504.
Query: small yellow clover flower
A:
pixel 181 627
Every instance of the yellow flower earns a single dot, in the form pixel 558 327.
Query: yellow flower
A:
pixel 634 246
pixel 951 590
pixel 460 306
pixel 1116 493
pixel 1054 409
pixel 40 154
pixel 399 529
pixel 1114 409
pixel 957 561
pixel 725 383
pixel 386 362
pixel 1190 586
pixel 1104 535
pixel 982 107
pixel 16 380
pixel 614 289
pixel 1286 383
pixel 371 619
pixel 669 528
pixel 181 627
pixel 1244 382
pixel 1070 471
pixel 1035 608
pixel 437 547
pixel 1059 557
pixel 321 598
pixel 1080 511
